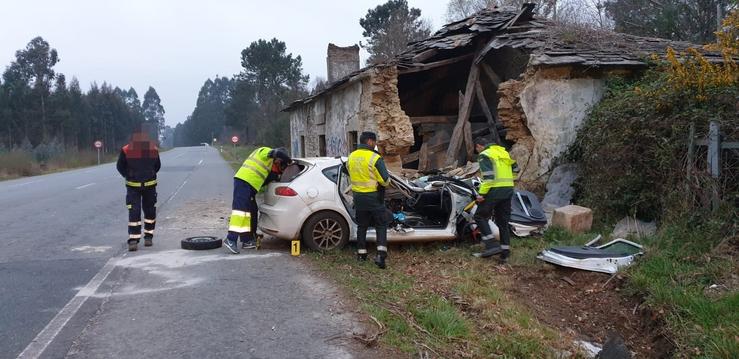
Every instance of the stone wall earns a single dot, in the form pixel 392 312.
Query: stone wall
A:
pixel 543 111
pixel 341 61
pixel 394 128
pixel 369 104
pixel 333 116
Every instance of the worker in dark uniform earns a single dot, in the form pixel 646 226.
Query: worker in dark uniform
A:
pixel 368 177
pixel 494 197
pixel 139 163
pixel 261 167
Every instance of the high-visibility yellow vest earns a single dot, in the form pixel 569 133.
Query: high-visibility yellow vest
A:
pixel 362 171
pixel 502 172
pixel 256 168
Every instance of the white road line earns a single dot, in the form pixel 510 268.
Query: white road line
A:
pixel 49 333
pixel 25 183
pixel 178 156
pixel 175 193
pixel 200 163
pixel 85 185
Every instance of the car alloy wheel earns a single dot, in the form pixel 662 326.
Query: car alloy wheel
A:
pixel 327 233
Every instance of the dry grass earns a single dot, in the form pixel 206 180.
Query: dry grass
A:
pixel 15 164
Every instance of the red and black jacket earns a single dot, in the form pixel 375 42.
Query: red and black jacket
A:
pixel 139 162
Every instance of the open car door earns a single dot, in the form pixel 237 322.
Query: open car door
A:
pixel 427 214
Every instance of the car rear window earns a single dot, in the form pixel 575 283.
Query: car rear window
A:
pixel 292 172
pixel 332 173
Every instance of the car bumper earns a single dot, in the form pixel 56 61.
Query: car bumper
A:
pixel 283 219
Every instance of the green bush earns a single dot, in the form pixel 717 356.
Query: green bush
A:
pixel 633 147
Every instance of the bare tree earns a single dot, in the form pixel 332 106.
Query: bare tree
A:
pixel 318 84
pixel 460 9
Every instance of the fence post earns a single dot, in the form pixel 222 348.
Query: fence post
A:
pixel 691 151
pixel 714 160
pixel 714 149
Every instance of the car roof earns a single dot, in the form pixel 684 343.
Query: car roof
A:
pixel 322 161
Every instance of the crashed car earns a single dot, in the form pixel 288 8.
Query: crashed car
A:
pixel 313 201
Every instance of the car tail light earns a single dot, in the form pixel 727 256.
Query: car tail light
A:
pixel 285 191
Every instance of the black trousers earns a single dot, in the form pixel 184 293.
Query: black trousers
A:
pixel 378 219
pixel 138 198
pixel 501 209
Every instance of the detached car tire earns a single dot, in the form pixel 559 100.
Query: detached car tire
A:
pixel 201 243
pixel 325 231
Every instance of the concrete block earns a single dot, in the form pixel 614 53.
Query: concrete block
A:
pixel 572 218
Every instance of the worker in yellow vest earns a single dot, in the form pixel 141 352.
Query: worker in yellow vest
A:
pixel 494 197
pixel 262 166
pixel 369 176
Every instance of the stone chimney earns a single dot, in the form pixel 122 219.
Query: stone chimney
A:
pixel 341 61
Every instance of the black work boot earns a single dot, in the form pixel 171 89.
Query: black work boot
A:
pixel 133 246
pixel 491 249
pixel 362 257
pixel 148 241
pixel 380 261
pixel 504 256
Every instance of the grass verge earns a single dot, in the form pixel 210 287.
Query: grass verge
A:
pixel 16 164
pixel 235 156
pixel 439 300
pixel 443 302
pixel 690 278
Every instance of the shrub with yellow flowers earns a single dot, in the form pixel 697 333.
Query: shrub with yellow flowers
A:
pixel 633 147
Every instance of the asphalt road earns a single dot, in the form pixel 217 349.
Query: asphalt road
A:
pixel 69 288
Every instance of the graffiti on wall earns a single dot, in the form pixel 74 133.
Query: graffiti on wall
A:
pixel 335 146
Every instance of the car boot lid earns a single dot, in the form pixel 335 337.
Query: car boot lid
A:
pixel 606 258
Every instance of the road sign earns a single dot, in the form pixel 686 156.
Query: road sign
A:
pixel 98 144
pixel 235 139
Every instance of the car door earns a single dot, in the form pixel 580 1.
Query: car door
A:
pixel 416 235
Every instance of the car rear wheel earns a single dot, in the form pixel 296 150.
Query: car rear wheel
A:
pixel 325 231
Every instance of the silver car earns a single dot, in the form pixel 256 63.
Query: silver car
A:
pixel 313 202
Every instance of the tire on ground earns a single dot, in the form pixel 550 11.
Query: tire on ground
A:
pixel 325 231
pixel 201 243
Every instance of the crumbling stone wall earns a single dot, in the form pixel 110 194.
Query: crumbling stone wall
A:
pixel 394 128
pixel 332 116
pixel 369 104
pixel 341 61
pixel 542 112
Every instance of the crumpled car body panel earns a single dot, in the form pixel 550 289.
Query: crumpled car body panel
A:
pixel 605 259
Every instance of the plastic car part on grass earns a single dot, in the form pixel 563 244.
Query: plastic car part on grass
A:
pixel 607 258
pixel 201 243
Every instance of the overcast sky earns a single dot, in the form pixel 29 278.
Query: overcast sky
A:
pixel 175 45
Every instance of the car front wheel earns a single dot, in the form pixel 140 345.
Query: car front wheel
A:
pixel 325 231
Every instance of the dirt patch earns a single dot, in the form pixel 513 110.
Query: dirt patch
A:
pixel 588 306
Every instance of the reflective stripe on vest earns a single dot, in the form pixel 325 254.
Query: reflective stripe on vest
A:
pixel 502 173
pixel 141 184
pixel 362 171
pixel 256 168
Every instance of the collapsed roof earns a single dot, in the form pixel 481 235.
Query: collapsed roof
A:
pixel 548 43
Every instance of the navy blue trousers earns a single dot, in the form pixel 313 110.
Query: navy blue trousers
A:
pixel 244 199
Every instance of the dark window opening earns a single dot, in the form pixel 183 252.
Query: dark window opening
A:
pixel 322 145
pixel 352 139
pixel 302 146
